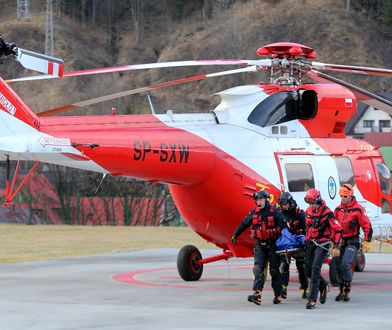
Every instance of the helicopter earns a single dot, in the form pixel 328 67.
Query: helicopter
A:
pixel 279 136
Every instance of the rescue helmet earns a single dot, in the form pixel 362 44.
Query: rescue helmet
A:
pixel 346 190
pixel 261 194
pixel 313 196
pixel 287 198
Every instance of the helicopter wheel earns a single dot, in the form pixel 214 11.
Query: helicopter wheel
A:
pixel 187 263
pixel 359 262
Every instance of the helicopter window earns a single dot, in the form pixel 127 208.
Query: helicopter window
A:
pixel 345 170
pixel 279 130
pixel 275 109
pixel 385 178
pixel 299 176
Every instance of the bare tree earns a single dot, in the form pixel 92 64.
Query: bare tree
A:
pixel 137 12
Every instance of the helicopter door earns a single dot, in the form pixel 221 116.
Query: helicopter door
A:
pixel 299 173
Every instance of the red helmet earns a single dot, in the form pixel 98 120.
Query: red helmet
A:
pixel 313 196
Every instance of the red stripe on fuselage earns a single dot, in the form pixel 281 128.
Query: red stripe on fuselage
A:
pixel 50 68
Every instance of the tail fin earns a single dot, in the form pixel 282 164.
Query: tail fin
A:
pixel 13 105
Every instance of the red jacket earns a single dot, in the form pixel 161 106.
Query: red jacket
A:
pixel 321 225
pixel 352 216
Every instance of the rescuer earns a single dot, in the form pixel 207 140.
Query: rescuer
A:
pixel 266 224
pixel 295 219
pixel 352 217
pixel 321 229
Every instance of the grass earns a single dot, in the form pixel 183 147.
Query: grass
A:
pixel 27 243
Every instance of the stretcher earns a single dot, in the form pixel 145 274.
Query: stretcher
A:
pixel 288 254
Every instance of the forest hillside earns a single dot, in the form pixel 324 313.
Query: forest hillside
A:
pixel 90 34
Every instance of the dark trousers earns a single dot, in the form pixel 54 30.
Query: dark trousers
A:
pixel 314 259
pixel 285 271
pixel 262 254
pixel 345 261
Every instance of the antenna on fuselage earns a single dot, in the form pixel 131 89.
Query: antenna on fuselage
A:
pixel 151 105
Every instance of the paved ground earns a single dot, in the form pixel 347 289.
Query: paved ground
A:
pixel 142 290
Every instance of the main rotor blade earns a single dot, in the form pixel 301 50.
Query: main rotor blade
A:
pixel 361 94
pixel 352 69
pixel 159 65
pixel 100 99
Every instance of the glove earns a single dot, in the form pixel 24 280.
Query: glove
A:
pixel 234 240
pixel 367 246
pixel 335 252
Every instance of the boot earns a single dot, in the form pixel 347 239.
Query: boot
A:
pixel 284 292
pixel 277 299
pixel 255 297
pixel 323 295
pixel 311 304
pixel 340 296
pixel 346 291
pixel 304 292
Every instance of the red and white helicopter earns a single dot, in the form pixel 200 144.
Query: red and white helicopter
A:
pixel 280 136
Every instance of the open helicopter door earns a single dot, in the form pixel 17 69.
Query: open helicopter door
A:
pixel 300 172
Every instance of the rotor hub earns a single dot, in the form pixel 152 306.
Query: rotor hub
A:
pixel 287 50
pixel 289 61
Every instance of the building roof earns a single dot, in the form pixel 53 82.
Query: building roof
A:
pixel 361 109
pixel 379 139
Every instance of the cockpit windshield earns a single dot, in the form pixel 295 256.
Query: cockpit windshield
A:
pixel 385 181
pixel 275 109
pixel 385 178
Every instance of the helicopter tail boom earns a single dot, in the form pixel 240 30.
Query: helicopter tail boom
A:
pixel 22 139
pixel 138 146
pixel 143 145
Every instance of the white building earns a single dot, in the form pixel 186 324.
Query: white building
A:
pixel 368 119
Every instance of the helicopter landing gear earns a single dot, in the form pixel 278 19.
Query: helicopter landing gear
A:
pixel 190 262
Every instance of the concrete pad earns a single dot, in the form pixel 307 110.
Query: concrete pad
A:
pixel 142 290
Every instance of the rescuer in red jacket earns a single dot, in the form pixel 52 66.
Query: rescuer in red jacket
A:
pixel 266 224
pixel 352 217
pixel 321 229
